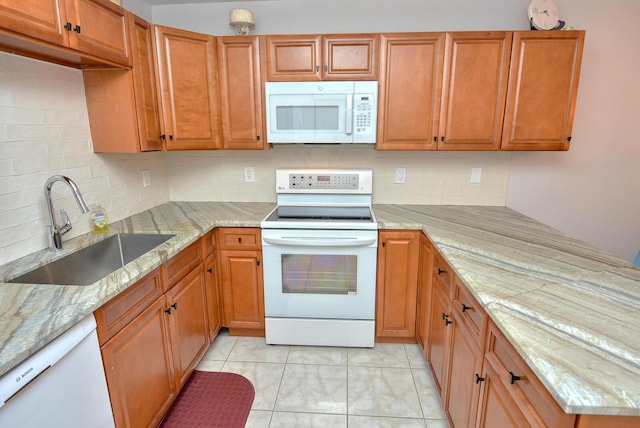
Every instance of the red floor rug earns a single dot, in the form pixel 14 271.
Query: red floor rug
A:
pixel 211 399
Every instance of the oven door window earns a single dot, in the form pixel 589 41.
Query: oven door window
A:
pixel 319 274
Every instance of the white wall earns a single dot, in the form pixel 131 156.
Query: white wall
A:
pixel 591 192
pixel 44 131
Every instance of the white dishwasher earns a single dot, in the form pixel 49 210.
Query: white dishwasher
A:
pixel 62 385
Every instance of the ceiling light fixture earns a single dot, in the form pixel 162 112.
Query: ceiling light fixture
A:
pixel 242 20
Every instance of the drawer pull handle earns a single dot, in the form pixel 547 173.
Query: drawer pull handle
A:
pixel 479 379
pixel 440 271
pixel 465 308
pixel 447 322
pixel 513 378
pixel 239 240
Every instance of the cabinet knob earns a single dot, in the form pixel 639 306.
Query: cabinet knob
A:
pixel 440 271
pixel 435 138
pixel 442 138
pixel 77 29
pixel 258 262
pixel 317 68
pixel 210 270
pixel 569 138
pixel 239 240
pixel 479 379
pixel 175 306
pixel 326 67
pixel 465 307
pixel 164 137
pixel 68 26
pixel 447 322
pixel 513 378
pixel 171 137
pixel 168 310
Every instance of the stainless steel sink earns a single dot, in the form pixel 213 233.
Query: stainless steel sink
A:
pixel 91 264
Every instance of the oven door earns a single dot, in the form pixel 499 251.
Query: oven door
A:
pixel 328 274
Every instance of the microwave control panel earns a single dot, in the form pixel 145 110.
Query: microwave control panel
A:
pixel 363 112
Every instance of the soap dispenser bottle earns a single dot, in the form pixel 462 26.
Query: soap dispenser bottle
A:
pixel 99 220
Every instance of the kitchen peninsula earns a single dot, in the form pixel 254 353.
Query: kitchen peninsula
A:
pixel 571 311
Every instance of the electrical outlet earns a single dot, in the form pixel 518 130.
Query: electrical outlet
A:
pixel 146 178
pixel 249 174
pixel 401 175
pixel 476 175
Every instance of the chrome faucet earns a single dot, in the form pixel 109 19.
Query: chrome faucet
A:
pixel 55 231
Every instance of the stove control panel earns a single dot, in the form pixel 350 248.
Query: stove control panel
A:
pixel 324 181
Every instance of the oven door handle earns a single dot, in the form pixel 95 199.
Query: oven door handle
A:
pixel 314 242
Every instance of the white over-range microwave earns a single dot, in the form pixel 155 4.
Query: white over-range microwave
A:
pixel 321 112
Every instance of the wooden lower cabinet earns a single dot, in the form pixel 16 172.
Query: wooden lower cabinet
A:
pixel 213 296
pixel 139 369
pixel 187 314
pixel 439 336
pixel 150 347
pixel 396 290
pixel 496 407
pixel 425 269
pixel 241 280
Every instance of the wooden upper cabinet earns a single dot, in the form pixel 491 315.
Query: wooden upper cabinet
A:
pixel 123 108
pixel 543 84
pixel 97 28
pixel 327 57
pixel 476 69
pixel 410 90
pixel 42 19
pixel 240 92
pixel 188 89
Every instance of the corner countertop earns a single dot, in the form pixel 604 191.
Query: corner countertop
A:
pixel 570 310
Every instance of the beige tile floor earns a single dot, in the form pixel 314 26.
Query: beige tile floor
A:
pixel 300 386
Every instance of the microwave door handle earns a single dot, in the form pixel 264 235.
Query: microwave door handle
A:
pixel 310 242
pixel 349 118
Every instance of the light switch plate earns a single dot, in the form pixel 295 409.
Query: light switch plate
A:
pixel 476 175
pixel 401 175
pixel 249 174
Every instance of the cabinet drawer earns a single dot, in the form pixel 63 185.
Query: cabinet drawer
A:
pixel 531 395
pixel 240 238
pixel 208 243
pixel 181 264
pixel 118 312
pixel 471 313
pixel 442 271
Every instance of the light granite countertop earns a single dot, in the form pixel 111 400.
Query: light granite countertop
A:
pixel 571 311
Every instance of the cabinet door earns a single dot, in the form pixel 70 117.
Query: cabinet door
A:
pixel 397 285
pixel 139 369
pixel 100 28
pixel 410 88
pixel 242 288
pixel 440 333
pixel 425 270
pixel 41 19
pixel 543 84
pixel 240 93
pixel 476 68
pixel 187 314
pixel 293 58
pixel 496 407
pixel 191 120
pixel 212 293
pixel 465 362
pixel 350 57
pixel 144 84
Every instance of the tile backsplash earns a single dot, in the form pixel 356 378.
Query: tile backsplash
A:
pixel 44 131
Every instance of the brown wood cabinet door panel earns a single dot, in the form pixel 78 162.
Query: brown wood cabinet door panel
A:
pixel 293 58
pixel 240 92
pixel 187 314
pixel 188 89
pixel 212 291
pixel 465 362
pixel 139 369
pixel 410 87
pixel 397 284
pixel 181 264
pixel 42 19
pixel 543 84
pixel 145 89
pixel 100 28
pixel 496 407
pixel 474 90
pixel 425 276
pixel 439 336
pixel 350 58
pixel 243 289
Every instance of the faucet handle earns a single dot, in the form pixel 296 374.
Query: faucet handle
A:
pixel 66 223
